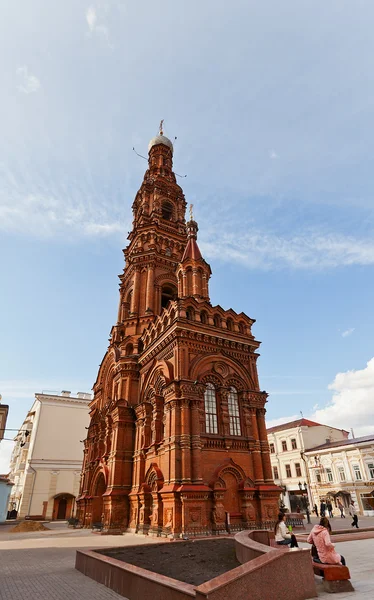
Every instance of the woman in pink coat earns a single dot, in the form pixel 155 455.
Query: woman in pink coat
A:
pixel 320 537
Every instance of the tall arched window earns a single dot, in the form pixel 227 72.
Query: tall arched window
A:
pixel 211 424
pixel 234 414
pixel 190 315
pixel 168 292
pixel 217 321
pixel 204 317
pixel 167 210
pixel 230 324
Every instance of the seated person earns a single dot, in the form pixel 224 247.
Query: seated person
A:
pixel 325 549
pixel 282 536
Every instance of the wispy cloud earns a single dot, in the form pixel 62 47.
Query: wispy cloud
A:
pixel 95 22
pixel 43 208
pixel 28 83
pixel 348 332
pixel 308 249
pixel 273 154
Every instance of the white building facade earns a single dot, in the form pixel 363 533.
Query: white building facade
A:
pixel 344 471
pixel 288 443
pixel 48 454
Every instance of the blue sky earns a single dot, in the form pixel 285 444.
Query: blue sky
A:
pixel 272 104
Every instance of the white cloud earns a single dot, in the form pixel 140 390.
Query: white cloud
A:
pixel 352 402
pixel 28 83
pixel 95 23
pixel 53 208
pixel 308 249
pixel 6 448
pixel 91 17
pixel 348 332
pixel 273 154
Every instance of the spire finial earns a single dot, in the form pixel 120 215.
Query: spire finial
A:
pixel 191 212
pixel 161 128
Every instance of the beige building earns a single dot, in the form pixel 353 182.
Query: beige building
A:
pixel 288 443
pixel 3 417
pixel 344 470
pixel 48 454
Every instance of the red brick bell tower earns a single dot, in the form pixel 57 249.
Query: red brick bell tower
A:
pixel 177 439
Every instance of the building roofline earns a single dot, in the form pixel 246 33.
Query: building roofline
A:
pixel 341 443
pixel 300 423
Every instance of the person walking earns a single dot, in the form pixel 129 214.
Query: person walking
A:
pixel 341 508
pixel 283 537
pixel 322 508
pixel 329 508
pixel 315 510
pixel 324 548
pixel 353 512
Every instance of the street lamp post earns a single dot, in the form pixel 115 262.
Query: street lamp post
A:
pixel 305 499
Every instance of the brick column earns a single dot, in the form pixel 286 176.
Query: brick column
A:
pixel 195 441
pixel 257 462
pixel 266 463
pixel 150 288
pixel 185 440
pixel 135 295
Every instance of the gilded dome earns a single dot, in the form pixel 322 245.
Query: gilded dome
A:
pixel 160 139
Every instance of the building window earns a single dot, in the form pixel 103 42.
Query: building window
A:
pixel 275 473
pixel 241 327
pixel 288 471
pixel 329 475
pixel 293 444
pixel 371 470
pixel 217 321
pixel 318 476
pixel 341 473
pixel 167 210
pixel 272 448
pixel 234 415
pixel 357 472
pixel 168 293
pixel 210 409
pixel 230 324
pixel 190 314
pixel 284 446
pixel 298 469
pixel 204 317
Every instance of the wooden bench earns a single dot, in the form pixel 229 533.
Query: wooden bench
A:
pixel 335 577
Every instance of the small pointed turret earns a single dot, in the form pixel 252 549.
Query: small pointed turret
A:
pixel 193 272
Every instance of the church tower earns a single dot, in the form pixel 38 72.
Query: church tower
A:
pixel 177 439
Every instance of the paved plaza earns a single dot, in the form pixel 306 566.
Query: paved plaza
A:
pixel 40 566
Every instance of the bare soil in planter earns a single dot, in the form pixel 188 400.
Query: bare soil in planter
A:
pixel 193 562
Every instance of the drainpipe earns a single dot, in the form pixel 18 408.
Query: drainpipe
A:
pixel 32 490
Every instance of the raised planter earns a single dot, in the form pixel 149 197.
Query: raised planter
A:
pixel 265 573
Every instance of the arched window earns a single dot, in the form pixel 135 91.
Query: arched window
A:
pixel 230 324
pixel 167 210
pixel 140 346
pixel 127 306
pixel 129 349
pixel 217 321
pixel 211 425
pixel 204 317
pixel 190 314
pixel 241 327
pixel 168 292
pixel 234 414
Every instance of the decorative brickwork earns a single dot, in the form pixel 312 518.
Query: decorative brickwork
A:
pixel 177 442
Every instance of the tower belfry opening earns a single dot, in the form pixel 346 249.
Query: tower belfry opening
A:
pixel 177 436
